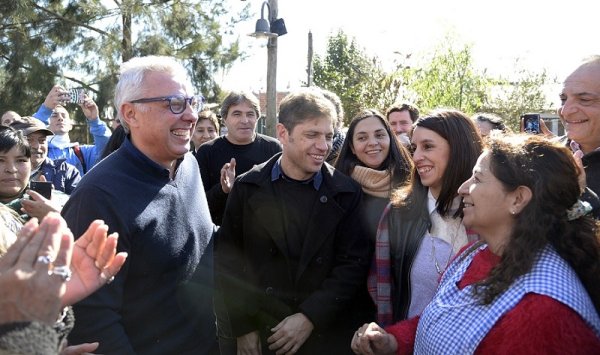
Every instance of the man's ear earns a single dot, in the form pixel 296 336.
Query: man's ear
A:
pixel 521 197
pixel 129 114
pixel 282 133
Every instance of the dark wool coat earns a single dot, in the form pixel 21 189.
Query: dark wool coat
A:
pixel 330 284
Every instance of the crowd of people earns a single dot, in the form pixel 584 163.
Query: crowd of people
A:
pixel 409 232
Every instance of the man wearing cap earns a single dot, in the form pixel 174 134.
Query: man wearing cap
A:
pixel 64 176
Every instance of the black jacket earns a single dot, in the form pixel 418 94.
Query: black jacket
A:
pixel 406 225
pixel 591 165
pixel 330 284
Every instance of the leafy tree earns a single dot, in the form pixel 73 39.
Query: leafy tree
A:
pixel 445 78
pixel 350 73
pixel 82 43
pixel 515 97
pixel 448 79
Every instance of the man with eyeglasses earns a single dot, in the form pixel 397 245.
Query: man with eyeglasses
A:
pixel 150 192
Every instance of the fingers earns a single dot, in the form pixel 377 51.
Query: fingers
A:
pixel 32 250
pixel 80 349
pixel 56 244
pixel 582 179
pixel 110 263
pixel 88 236
pixel 35 196
pixel 115 266
pixel 95 248
pixel 63 255
pixel 545 130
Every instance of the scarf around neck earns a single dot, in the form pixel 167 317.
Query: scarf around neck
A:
pixel 61 141
pixel 374 182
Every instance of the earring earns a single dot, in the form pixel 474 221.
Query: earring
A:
pixel 513 212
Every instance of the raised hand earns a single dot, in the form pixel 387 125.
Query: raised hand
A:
pixel 95 262
pixel 228 176
pixel 34 272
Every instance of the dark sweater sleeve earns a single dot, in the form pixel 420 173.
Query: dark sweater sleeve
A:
pixel 215 196
pixel 232 268
pixel 98 316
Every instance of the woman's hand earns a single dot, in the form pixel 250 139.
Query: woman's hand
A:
pixel 95 262
pixel 38 206
pixel 371 339
pixel 34 272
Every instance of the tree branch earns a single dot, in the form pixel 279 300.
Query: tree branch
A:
pixel 83 84
pixel 73 22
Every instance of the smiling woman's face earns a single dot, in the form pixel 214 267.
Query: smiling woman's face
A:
pixel 487 203
pixel 371 142
pixel 430 154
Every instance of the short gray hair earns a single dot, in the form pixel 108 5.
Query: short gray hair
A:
pixel 133 72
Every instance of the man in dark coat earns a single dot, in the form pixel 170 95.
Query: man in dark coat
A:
pixel 292 255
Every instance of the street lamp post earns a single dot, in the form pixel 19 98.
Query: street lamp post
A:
pixel 271 28
pixel 272 75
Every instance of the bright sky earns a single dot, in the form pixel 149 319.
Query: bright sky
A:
pixel 542 34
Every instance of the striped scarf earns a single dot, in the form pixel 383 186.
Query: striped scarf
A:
pixel 379 282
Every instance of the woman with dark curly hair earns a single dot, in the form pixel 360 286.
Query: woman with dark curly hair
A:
pixel 533 284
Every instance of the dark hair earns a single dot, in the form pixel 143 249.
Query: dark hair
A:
pixel 114 142
pixel 236 98
pixel 9 138
pixel 465 147
pixel 492 119
pixel 413 111
pixel 398 162
pixel 550 172
pixel 209 115
pixel 303 105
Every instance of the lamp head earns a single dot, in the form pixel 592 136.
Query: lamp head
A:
pixel 262 29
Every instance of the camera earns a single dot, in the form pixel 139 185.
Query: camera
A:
pixel 531 123
pixel 44 188
pixel 75 96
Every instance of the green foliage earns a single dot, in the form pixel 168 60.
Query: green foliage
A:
pixel 449 80
pixel 446 78
pixel 82 44
pixel 350 73
pixel 515 97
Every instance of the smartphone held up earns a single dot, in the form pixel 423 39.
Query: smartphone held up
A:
pixel 44 188
pixel 531 123
pixel 75 96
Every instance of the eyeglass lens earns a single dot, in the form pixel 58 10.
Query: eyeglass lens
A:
pixel 178 104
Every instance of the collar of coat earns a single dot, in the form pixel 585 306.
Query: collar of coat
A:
pixel 334 180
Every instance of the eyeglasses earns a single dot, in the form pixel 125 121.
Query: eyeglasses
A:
pixel 177 103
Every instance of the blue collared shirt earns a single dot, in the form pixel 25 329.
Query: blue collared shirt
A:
pixel 277 173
